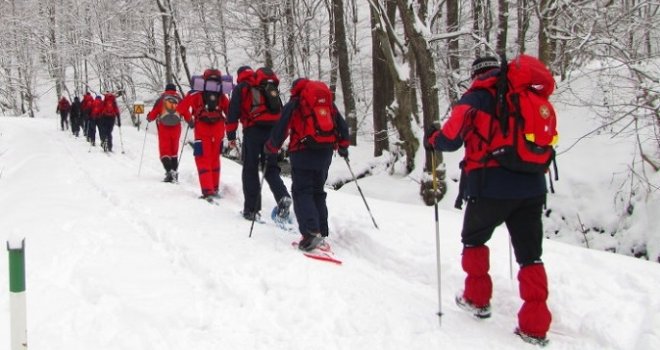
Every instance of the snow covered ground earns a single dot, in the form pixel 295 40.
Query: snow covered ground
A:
pixel 120 261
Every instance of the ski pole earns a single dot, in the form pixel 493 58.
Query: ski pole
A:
pixel 261 185
pixel 121 140
pixel 143 144
pixel 437 234
pixel 360 190
pixel 183 144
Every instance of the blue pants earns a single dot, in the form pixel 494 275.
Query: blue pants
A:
pixel 309 200
pixel 253 155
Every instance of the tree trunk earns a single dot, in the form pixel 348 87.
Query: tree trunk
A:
pixel 345 70
pixel 402 113
pixel 452 45
pixel 383 87
pixel 290 31
pixel 165 17
pixel 523 24
pixel 426 74
pixel 502 25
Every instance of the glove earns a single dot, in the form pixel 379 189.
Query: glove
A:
pixel 269 151
pixel 429 133
pixel 119 122
pixel 343 152
pixel 191 124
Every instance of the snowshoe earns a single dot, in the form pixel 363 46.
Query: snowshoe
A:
pixel 310 242
pixel 251 216
pixel 478 312
pixel 531 339
pixel 285 223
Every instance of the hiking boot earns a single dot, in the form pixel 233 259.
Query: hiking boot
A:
pixel 251 215
pixel 478 312
pixel 310 242
pixel 283 207
pixel 540 341
pixel 168 177
pixel 174 176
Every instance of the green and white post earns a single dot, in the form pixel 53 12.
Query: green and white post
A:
pixel 17 306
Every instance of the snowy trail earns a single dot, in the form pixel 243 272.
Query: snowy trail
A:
pixel 118 261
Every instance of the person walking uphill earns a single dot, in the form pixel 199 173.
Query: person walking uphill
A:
pixel 495 195
pixel 257 115
pixel 168 123
pixel 205 111
pixel 63 108
pixel 109 113
pixel 317 129
pixel 75 116
pixel 86 108
pixel 94 119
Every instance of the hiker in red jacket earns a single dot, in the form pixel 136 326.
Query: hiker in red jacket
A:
pixel 205 111
pixel 63 107
pixel 95 116
pixel 248 106
pixel 316 128
pixel 86 112
pixel 495 195
pixel 108 116
pixel 168 123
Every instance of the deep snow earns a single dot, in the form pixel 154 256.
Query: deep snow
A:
pixel 121 261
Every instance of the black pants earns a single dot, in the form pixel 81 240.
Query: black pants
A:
pixel 521 216
pixel 253 155
pixel 307 188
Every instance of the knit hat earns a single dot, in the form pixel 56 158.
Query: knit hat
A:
pixel 170 87
pixel 483 64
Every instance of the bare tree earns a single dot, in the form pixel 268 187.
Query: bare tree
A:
pixel 345 69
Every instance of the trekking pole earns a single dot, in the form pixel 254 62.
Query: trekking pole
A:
pixel 183 144
pixel 143 144
pixel 437 234
pixel 121 140
pixel 261 185
pixel 361 194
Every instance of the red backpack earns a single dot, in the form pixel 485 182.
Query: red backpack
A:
pixel 527 121
pixel 109 106
pixel 266 104
pixel 315 127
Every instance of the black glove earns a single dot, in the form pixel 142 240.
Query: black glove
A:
pixel 428 133
pixel 343 152
pixel 119 122
pixel 191 124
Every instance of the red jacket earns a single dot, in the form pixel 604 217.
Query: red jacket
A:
pixel 87 103
pixel 97 107
pixel 63 105
pixel 110 108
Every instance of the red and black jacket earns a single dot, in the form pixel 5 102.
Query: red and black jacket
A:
pixel 240 104
pixel 470 123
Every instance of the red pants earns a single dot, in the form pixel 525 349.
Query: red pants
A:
pixel 207 148
pixel 168 140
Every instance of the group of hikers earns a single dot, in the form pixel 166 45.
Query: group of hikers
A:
pixel 310 118
pixel 494 193
pixel 89 114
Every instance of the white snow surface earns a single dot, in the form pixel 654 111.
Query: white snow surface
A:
pixel 120 261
